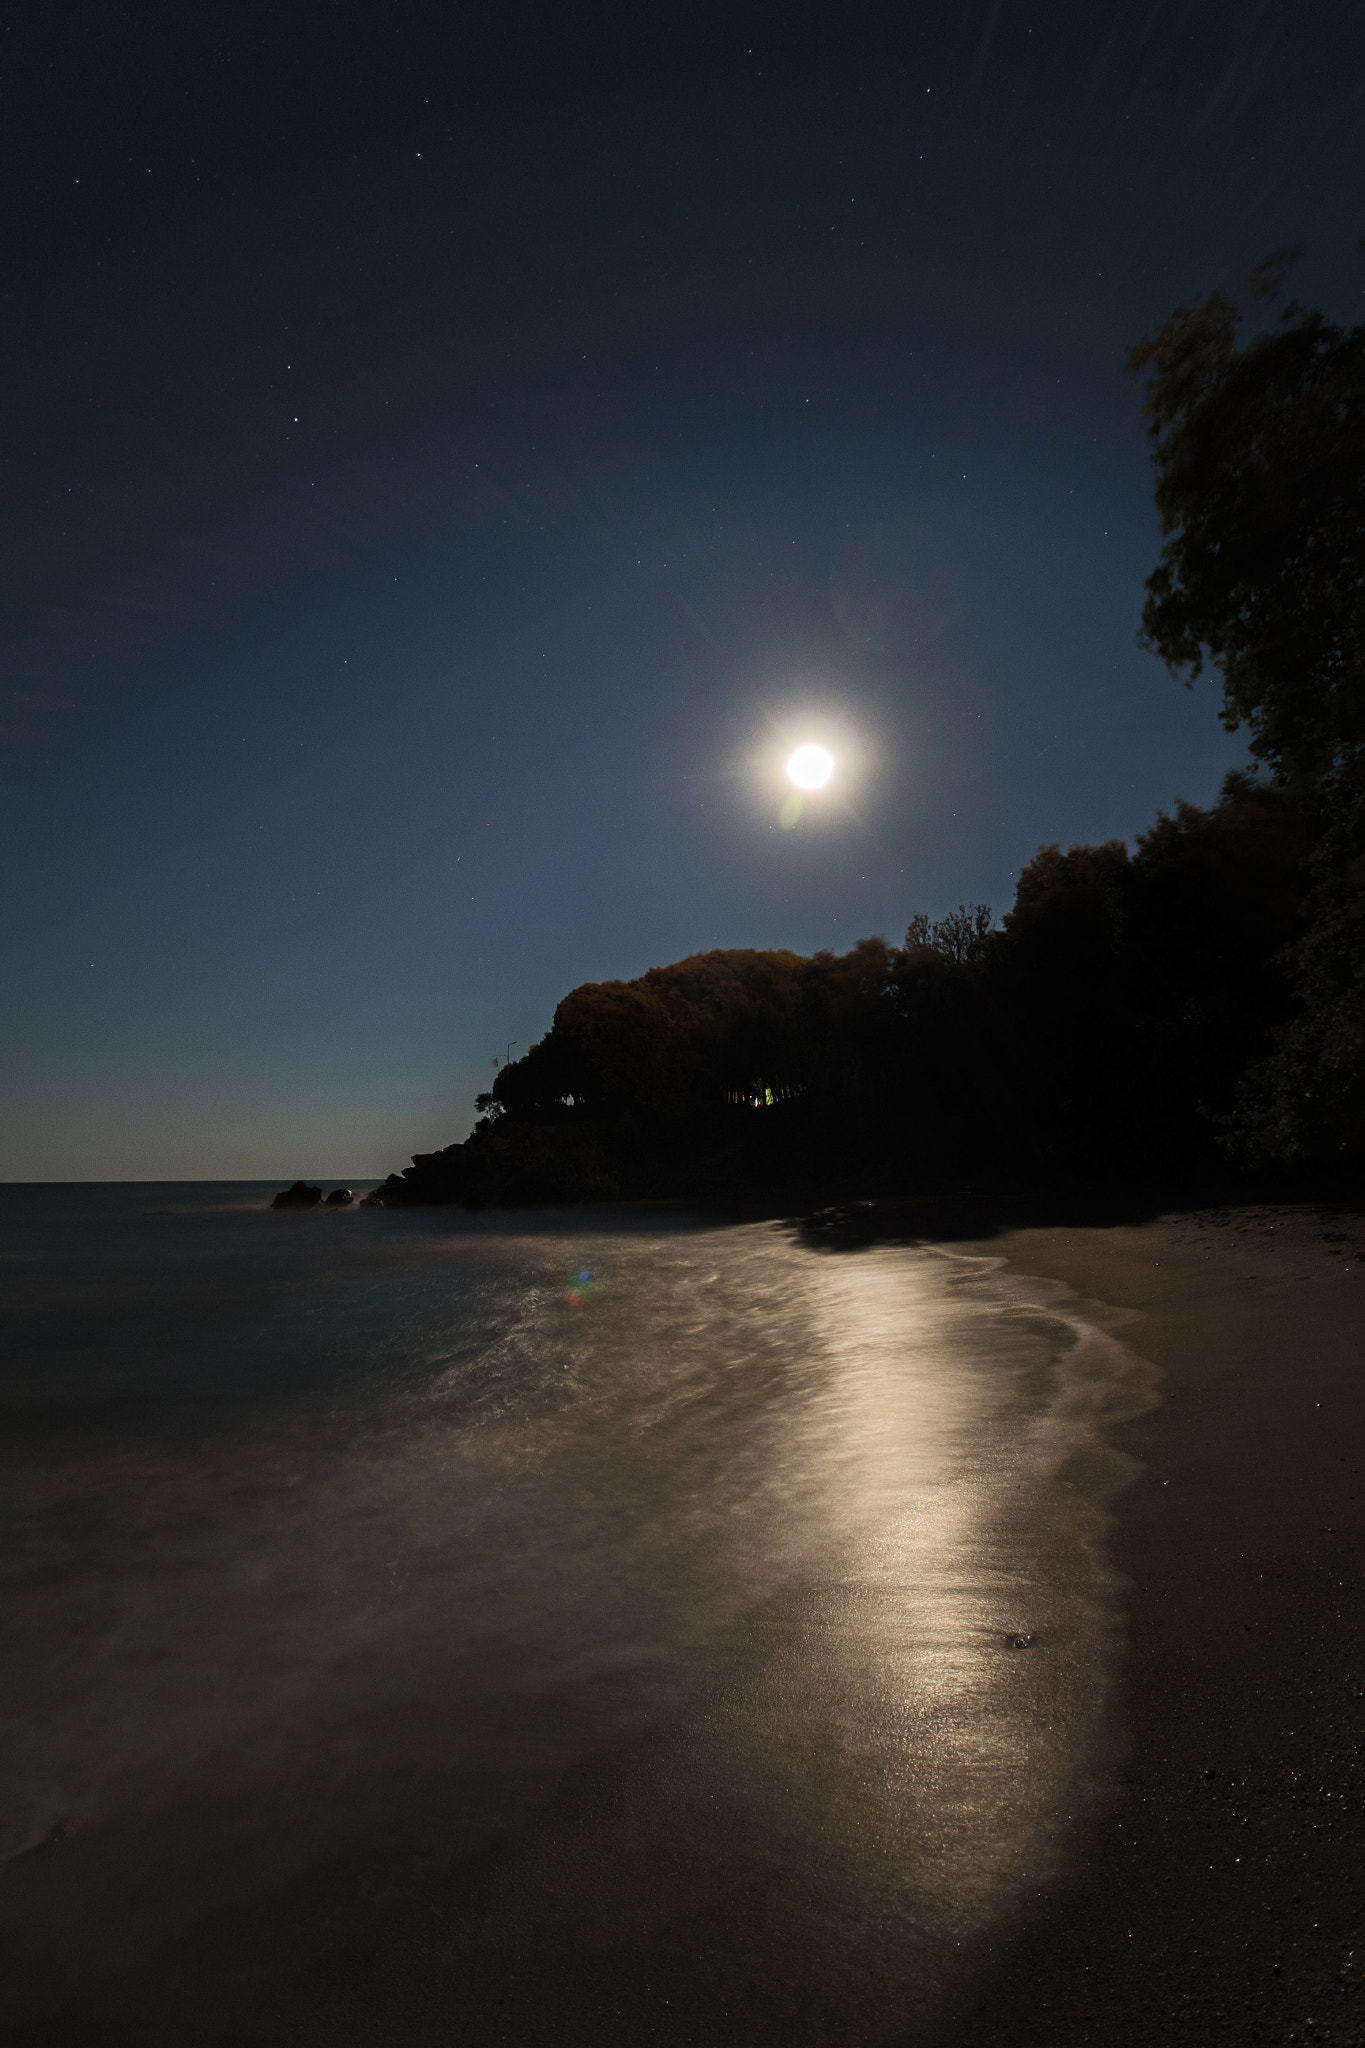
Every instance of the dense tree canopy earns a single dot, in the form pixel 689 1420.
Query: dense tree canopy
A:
pixel 1260 464
pixel 1259 453
pixel 1100 1033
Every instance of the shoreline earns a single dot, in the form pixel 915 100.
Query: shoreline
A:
pixel 1217 1900
pixel 1213 1896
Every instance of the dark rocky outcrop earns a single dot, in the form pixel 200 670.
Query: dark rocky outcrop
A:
pixel 504 1166
pixel 300 1196
pixel 340 1198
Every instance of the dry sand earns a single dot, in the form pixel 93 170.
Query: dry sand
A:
pixel 1222 1900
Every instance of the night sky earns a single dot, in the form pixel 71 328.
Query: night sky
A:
pixel 452 454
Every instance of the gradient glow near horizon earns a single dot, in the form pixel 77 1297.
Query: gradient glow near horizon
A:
pixel 810 767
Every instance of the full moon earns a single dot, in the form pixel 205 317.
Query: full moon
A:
pixel 810 767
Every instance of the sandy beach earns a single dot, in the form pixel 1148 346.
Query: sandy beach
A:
pixel 437 1660
pixel 1220 1899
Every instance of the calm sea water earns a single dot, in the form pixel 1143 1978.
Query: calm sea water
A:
pixel 580 1627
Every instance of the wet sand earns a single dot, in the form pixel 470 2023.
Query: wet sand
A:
pixel 1222 1900
pixel 726 1853
pixel 587 1629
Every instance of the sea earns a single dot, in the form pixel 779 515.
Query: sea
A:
pixel 597 1626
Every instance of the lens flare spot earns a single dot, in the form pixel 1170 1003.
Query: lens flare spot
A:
pixel 578 1286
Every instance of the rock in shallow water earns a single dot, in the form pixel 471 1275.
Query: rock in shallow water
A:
pixel 300 1196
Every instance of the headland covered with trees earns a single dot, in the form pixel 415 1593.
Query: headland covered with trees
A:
pixel 1193 1006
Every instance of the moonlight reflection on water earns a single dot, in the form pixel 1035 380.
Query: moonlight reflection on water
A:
pixel 419 1634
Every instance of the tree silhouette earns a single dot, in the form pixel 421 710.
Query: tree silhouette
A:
pixel 1136 1001
pixel 1259 452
